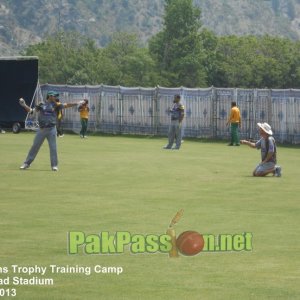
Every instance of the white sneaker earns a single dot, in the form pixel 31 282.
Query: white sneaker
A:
pixel 24 166
pixel 3 131
pixel 278 171
pixel 55 169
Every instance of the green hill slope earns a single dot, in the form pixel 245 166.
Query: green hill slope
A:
pixel 23 22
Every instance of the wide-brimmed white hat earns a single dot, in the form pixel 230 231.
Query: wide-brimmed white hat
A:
pixel 265 127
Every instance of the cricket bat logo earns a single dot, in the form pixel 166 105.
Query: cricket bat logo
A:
pixel 171 232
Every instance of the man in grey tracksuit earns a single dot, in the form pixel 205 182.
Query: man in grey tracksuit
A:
pixel 47 128
pixel 177 115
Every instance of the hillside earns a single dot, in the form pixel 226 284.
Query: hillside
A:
pixel 23 22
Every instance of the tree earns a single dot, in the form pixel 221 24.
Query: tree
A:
pixel 69 58
pixel 130 65
pixel 257 62
pixel 210 42
pixel 178 49
pixel 65 58
pixel 281 58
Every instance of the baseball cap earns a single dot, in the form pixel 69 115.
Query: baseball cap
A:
pixel 52 93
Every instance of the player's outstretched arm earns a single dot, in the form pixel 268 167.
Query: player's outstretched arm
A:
pixel 67 105
pixel 250 144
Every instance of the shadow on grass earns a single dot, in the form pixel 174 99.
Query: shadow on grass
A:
pixel 35 170
pixel 160 137
pixel 260 177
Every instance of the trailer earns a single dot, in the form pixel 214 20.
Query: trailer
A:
pixel 18 78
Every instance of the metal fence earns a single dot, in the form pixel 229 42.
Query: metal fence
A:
pixel 121 110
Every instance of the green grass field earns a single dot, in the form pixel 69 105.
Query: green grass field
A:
pixel 113 183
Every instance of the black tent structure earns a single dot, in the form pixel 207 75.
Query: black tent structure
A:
pixel 18 78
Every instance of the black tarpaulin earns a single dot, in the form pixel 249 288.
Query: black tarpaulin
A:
pixel 18 78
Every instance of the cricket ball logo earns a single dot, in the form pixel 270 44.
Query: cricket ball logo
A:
pixel 188 243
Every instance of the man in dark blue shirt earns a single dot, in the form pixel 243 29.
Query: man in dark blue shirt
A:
pixel 177 115
pixel 47 128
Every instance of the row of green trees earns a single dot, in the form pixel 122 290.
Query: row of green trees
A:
pixel 182 54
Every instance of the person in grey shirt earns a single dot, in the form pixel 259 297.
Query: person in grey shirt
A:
pixel 177 115
pixel 46 113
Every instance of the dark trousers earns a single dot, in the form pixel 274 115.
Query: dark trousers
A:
pixel 84 124
pixel 59 127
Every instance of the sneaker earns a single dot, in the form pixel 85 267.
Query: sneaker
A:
pixel 81 136
pixel 55 169
pixel 85 137
pixel 3 131
pixel 166 147
pixel 175 148
pixel 24 166
pixel 62 135
pixel 277 171
pixel 230 144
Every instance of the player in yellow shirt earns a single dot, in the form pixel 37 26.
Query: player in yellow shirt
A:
pixel 235 121
pixel 84 117
pixel 59 115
